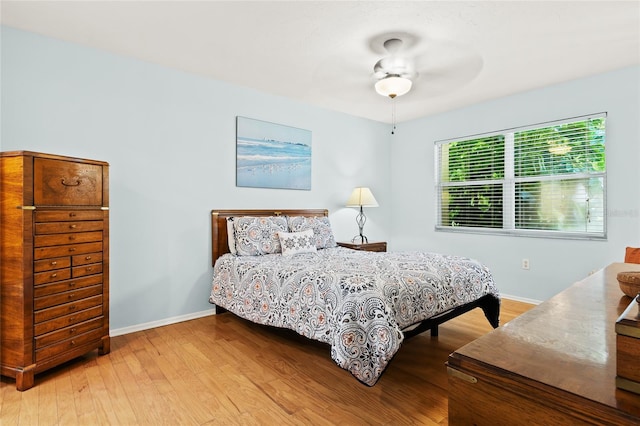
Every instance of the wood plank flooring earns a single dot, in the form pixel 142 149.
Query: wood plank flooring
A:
pixel 224 370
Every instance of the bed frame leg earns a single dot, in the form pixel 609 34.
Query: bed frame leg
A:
pixel 491 309
pixel 434 331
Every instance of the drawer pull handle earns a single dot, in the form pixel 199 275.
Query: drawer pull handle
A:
pixel 73 330
pixel 54 275
pixel 72 214
pixel 72 284
pixel 72 319
pixel 70 183
pixel 87 258
pixel 72 249
pixel 72 307
pixel 73 342
pixel 54 263
pixel 73 226
pixel 71 296
pixel 89 268
pixel 72 237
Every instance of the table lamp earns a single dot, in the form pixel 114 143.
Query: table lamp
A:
pixel 361 197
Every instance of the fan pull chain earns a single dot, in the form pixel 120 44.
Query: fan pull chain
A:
pixel 393 116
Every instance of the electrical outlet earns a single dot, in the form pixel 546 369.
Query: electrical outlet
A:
pixel 525 264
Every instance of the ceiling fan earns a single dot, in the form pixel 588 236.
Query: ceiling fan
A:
pixel 430 67
pixel 394 73
pixel 434 67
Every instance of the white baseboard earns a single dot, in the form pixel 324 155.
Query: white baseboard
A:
pixel 160 323
pixel 521 299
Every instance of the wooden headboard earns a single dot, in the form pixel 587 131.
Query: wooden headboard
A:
pixel 219 242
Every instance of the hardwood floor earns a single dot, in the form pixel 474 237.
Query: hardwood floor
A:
pixel 224 370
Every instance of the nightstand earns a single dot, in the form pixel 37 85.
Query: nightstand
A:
pixel 380 246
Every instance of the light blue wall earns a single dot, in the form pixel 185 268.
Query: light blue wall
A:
pixel 555 264
pixel 170 140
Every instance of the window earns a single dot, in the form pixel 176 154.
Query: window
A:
pixel 543 180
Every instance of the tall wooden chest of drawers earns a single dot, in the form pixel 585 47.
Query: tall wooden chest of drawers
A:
pixel 54 254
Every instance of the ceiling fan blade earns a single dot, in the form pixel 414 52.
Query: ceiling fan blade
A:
pixel 445 67
pixel 347 80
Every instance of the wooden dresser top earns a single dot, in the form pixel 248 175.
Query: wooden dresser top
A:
pixel 50 156
pixel 566 344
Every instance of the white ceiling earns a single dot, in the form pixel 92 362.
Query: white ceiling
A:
pixel 323 52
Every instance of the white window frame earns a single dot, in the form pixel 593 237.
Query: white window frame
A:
pixel 509 183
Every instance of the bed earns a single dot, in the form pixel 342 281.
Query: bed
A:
pixel 282 268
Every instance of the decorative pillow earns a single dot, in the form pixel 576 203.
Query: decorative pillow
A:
pixel 231 236
pixel 297 242
pixel 258 235
pixel 632 255
pixel 322 233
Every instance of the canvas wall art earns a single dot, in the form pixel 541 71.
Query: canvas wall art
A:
pixel 270 155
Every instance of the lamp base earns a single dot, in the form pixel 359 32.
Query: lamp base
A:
pixel 361 219
pixel 360 239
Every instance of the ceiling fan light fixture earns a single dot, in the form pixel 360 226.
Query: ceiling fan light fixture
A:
pixel 393 85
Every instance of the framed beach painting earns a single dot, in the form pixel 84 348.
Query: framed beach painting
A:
pixel 270 155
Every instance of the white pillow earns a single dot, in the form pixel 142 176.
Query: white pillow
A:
pixel 297 242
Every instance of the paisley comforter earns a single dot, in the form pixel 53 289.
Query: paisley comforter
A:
pixel 356 301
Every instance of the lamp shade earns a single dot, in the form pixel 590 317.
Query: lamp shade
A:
pixel 393 85
pixel 362 197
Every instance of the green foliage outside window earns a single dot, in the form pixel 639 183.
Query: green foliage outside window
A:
pixel 481 204
pixel 570 148
pixel 557 178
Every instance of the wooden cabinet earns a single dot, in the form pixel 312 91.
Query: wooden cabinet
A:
pixel 553 365
pixel 379 246
pixel 54 270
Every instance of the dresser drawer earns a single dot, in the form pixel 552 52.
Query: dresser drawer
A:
pixel 69 332
pixel 59 287
pixel 73 226
pixel 65 250
pixel 67 320
pixel 81 271
pixel 66 183
pixel 51 276
pixel 50 264
pixel 69 344
pixel 65 215
pixel 67 296
pixel 66 309
pixel 72 238
pixel 85 259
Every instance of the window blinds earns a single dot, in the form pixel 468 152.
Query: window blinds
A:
pixel 547 179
